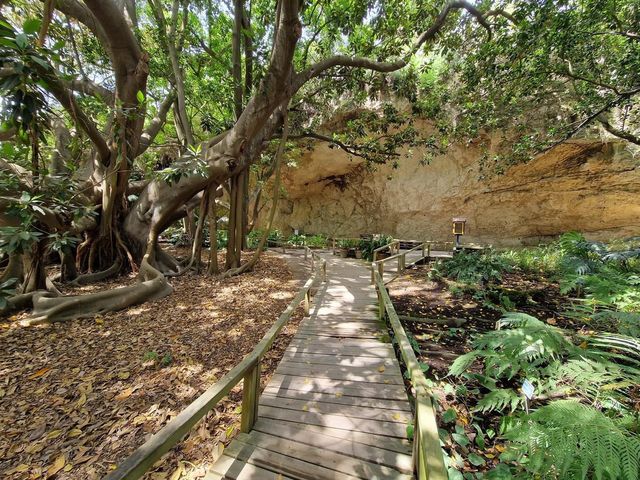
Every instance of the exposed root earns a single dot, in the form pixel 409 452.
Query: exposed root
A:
pixel 88 278
pixel 21 301
pixel 47 309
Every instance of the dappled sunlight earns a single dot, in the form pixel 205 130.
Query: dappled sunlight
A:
pixel 112 381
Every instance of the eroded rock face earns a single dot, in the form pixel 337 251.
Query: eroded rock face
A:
pixel 585 185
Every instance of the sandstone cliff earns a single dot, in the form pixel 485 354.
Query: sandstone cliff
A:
pixel 584 185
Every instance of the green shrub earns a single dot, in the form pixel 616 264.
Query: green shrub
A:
pixel 273 239
pixel 316 241
pixel 368 245
pixel 475 267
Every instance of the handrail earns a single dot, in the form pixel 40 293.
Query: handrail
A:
pixel 334 240
pixel 135 466
pixel 390 246
pixel 402 259
pixel 427 455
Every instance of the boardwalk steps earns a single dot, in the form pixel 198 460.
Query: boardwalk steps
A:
pixel 336 406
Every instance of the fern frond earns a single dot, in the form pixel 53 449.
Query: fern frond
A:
pixel 462 363
pixel 568 440
pixel 499 400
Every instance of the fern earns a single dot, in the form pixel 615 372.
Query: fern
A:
pixel 568 440
pixel 598 379
pixel 499 400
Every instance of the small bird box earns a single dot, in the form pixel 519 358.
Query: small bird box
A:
pixel 458 225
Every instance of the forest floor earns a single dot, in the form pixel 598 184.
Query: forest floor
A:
pixel 78 397
pixel 415 295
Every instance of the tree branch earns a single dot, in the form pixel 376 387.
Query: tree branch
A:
pixel 356 150
pixel 86 86
pixel 155 125
pixel 81 13
pixel 387 67
pixel 628 136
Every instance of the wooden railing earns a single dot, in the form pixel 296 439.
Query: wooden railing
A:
pixel 335 240
pixel 394 246
pixel 401 257
pixel 248 370
pixel 427 455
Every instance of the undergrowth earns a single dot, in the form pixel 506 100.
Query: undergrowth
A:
pixel 582 419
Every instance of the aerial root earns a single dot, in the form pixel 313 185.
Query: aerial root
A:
pixel 47 309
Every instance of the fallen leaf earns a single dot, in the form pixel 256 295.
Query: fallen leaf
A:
pixel 54 434
pixel 23 467
pixel 123 375
pixel 74 433
pixel 81 401
pixel 56 466
pixel 39 373
pixel 381 369
pixel 126 393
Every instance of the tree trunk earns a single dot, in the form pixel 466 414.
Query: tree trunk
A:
pixel 34 267
pixel 276 194
pixel 14 269
pixel 213 237
pixel 196 251
pixel 68 271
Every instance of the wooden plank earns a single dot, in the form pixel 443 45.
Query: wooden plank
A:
pixel 337 332
pixel 322 457
pixel 336 373
pixel 398 461
pixel 353 389
pixel 382 368
pixel 389 429
pixel 396 445
pixel 231 468
pixel 340 399
pixel 378 352
pixel 343 360
pixel 284 464
pixel 320 407
pixel 343 342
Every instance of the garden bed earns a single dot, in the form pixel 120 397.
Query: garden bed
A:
pixel 489 327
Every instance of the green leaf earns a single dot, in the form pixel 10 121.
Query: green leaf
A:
pixel 449 416
pixel 475 459
pixel 21 40
pixel 410 431
pixel 31 26
pixel 140 96
pixel 454 474
pixel 461 440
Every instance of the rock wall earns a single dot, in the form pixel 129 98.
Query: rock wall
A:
pixel 584 185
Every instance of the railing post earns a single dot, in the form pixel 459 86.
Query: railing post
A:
pixel 307 303
pixel 373 273
pixel 324 271
pixel 424 247
pixel 399 263
pixel 333 246
pixel 381 270
pixel 306 254
pixel 250 397
pixel 428 252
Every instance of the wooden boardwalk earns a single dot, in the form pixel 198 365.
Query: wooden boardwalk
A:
pixel 336 407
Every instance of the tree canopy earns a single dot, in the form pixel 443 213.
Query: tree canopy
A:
pixel 120 117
